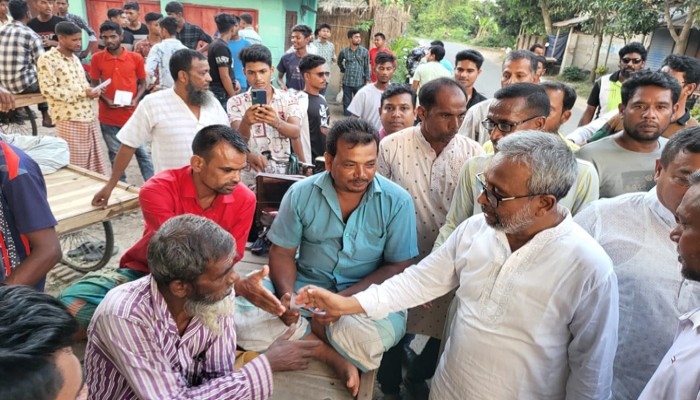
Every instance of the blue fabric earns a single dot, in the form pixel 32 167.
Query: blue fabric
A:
pixel 336 255
pixel 236 47
pixel 448 66
pixel 109 134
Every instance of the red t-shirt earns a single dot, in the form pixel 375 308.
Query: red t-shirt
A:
pixel 125 71
pixel 172 193
pixel 373 53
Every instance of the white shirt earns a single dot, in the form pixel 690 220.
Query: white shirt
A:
pixel 158 60
pixel 539 323
pixel 471 126
pixel 678 375
pixel 365 104
pixel 634 230
pixel 582 134
pixel 305 135
pixel 164 119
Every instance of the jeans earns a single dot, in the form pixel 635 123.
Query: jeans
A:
pixel 109 133
pixel 348 93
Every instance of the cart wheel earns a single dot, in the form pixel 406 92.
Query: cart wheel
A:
pixel 88 249
pixel 20 121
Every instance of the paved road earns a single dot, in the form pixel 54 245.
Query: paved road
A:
pixel 490 79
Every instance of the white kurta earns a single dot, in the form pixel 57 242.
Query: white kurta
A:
pixel 539 323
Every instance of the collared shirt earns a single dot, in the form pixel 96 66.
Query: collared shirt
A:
pixel 475 99
pixel 464 202
pixel 171 193
pixel 327 51
pixel 158 60
pixel 164 119
pixel 366 104
pixel 537 323
pixel 355 66
pixel 472 127
pixel 250 35
pixel 621 170
pixel 634 229
pixel 62 82
pixel 7 21
pixel 143 47
pixel 190 35
pixel 678 374
pixel 334 254
pixel 20 48
pixel 125 70
pixel 430 178
pixel 135 351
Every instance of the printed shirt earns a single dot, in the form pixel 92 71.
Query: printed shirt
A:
pixel 20 48
pixel 334 254
pixel 536 323
pixel 23 206
pixel 125 70
pixel 135 351
pixel 62 81
pixel 355 66
pixel 190 35
pixel 327 51
pixel 171 193
pixel 143 47
pixel 158 60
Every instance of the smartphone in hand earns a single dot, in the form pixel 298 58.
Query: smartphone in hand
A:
pixel 259 96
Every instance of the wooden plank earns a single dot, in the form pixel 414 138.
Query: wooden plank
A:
pixel 22 100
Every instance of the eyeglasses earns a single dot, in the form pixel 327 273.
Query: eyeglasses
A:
pixel 634 61
pixel 506 127
pixel 322 74
pixel 494 199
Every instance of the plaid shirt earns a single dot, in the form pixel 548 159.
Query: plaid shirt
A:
pixel 20 48
pixel 190 35
pixel 355 66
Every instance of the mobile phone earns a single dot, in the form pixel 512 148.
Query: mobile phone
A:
pixel 259 96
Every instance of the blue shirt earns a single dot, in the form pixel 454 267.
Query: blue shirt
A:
pixel 334 254
pixel 236 46
pixel 448 66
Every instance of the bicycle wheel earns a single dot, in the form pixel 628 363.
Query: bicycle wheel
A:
pixel 21 121
pixel 88 249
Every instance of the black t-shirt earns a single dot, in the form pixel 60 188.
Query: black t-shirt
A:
pixel 219 55
pixel 138 34
pixel 127 41
pixel 45 30
pixel 319 116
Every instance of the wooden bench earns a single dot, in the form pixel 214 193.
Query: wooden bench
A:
pixel 29 99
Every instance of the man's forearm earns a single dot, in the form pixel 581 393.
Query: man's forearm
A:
pixel 290 130
pixel 377 277
pixel 283 269
pixel 121 161
pixel 46 252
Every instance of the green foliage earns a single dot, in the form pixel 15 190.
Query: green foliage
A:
pixel 400 47
pixel 695 112
pixel 364 25
pixel 601 70
pixel 574 74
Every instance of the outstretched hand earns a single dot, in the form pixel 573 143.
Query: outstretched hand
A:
pixel 252 289
pixel 333 304
pixel 286 355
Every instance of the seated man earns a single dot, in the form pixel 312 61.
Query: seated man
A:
pixel 207 187
pixel 397 109
pixel 536 310
pixel 350 228
pixel 170 335
pixel 633 229
pixel 36 335
pixel 517 107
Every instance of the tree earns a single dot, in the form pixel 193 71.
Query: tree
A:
pixel 691 8
pixel 546 18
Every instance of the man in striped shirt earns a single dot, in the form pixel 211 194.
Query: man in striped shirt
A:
pixel 170 335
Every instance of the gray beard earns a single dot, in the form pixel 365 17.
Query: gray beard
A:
pixel 196 97
pixel 209 313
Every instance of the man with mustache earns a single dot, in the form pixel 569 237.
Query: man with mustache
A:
pixel 168 119
pixel 625 161
pixel 606 93
pixel 170 335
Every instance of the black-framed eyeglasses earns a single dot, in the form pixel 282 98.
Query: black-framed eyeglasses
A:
pixel 494 199
pixel 506 127
pixel 634 61
pixel 322 74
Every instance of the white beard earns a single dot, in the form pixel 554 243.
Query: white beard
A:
pixel 209 313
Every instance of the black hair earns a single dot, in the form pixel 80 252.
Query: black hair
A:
pixel 534 95
pixel 309 62
pixel 429 92
pixel 542 60
pixel 181 60
pixel 111 26
pixel 686 140
pixel 152 16
pixel 352 32
pixel 114 12
pixel 255 53
pixel 316 32
pixel 305 30
pixel 649 78
pixel 174 7
pixel 470 55
pixel 169 24
pixel 324 25
pixel 396 89
pixel 224 22
pixel 34 326
pixel 437 43
pixel 247 18
pixel 523 55
pixel 353 131
pixel 438 52
pixel 66 28
pixel 383 57
pixel 132 5
pixel 18 9
pixel 536 46
pixel 209 136
pixel 689 66
pixel 381 35
pixel 568 91
pixel 634 47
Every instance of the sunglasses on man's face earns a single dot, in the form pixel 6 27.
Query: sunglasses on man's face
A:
pixel 634 61
pixel 322 74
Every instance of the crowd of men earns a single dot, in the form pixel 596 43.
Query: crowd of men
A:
pixel 547 266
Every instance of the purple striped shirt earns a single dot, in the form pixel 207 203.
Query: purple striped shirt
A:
pixel 134 351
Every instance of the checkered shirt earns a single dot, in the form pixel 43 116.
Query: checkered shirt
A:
pixel 20 48
pixel 190 35
pixel 355 66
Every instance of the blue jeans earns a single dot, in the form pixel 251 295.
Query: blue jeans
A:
pixel 348 93
pixel 109 133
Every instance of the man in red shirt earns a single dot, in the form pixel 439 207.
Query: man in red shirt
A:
pixel 118 100
pixel 379 43
pixel 208 187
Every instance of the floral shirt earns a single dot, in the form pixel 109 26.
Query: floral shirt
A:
pixel 63 82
